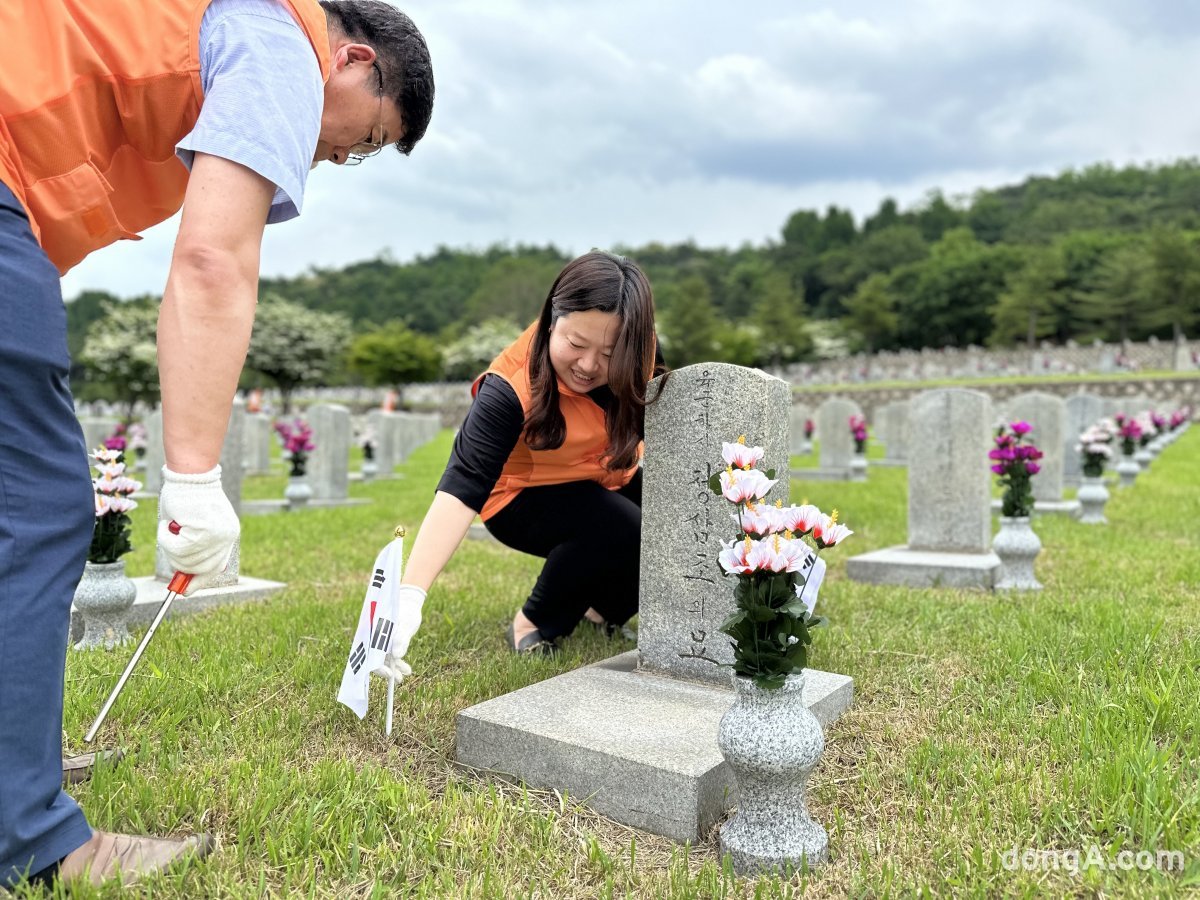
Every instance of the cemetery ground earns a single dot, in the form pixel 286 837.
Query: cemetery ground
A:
pixel 1054 721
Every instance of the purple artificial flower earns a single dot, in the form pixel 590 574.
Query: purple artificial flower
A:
pixel 1021 428
pixel 1032 468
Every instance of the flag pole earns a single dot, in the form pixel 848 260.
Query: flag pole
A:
pixel 398 534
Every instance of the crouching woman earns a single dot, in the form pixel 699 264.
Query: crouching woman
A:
pixel 548 457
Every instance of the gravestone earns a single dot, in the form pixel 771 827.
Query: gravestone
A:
pixel 635 735
pixel 1046 413
pixel 155 454
pixel 686 599
pixel 96 430
pixel 1138 404
pixel 949 489
pixel 329 463
pixel 893 422
pixel 799 445
pixel 382 424
pixel 233 455
pixel 1082 412
pixel 837 444
pixel 258 439
pixel 1181 357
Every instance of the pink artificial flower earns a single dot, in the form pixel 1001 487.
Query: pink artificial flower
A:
pixel 740 485
pixel 119 504
pixel 799 520
pixel 828 532
pixel 758 520
pixel 740 456
pixel 1032 468
pixel 1021 427
pixel 795 552
pixel 733 557
pixel 999 470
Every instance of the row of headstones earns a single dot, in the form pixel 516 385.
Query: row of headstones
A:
pixel 248 440
pixel 1057 424
pixel 949 485
pixel 328 464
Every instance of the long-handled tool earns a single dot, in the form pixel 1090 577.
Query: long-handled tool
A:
pixel 177 586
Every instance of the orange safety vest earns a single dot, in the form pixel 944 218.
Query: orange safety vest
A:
pixel 581 456
pixel 93 98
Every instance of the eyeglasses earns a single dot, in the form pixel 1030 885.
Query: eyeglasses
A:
pixel 355 156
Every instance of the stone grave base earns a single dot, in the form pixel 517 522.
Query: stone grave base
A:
pixel 1047 507
pixel 822 474
pixel 266 507
pixel 151 592
pixel 890 463
pixel 638 748
pixel 357 476
pixel 924 568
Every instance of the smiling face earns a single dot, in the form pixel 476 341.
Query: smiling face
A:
pixel 581 345
pixel 355 118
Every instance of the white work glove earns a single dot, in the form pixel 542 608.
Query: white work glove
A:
pixel 409 598
pixel 206 523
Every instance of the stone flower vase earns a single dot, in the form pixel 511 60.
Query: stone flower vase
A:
pixel 1128 470
pixel 298 492
pixel 1143 458
pixel 1017 546
pixel 858 466
pixel 104 597
pixel 1092 497
pixel 772 742
pixel 369 469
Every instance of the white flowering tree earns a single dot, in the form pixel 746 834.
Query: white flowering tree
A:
pixel 472 353
pixel 120 352
pixel 296 346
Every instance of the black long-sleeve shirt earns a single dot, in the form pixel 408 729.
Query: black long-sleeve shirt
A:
pixel 489 433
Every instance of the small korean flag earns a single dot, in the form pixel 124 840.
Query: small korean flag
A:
pixel 373 637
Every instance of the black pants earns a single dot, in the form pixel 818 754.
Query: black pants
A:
pixel 590 538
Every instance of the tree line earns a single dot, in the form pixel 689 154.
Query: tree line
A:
pixel 1099 253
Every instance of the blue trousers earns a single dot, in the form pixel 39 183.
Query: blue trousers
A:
pixel 46 520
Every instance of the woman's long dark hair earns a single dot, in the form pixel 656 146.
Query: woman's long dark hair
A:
pixel 613 284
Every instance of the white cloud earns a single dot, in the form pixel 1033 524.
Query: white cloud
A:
pixel 589 125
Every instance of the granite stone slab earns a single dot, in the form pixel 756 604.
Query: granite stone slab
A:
pixel 151 592
pixel 924 568
pixel 822 474
pixel 636 747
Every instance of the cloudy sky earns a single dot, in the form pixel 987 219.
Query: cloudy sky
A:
pixel 588 124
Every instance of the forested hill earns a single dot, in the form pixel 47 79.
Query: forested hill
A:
pixel 1101 252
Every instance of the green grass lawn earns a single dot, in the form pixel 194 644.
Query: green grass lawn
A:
pixel 1051 721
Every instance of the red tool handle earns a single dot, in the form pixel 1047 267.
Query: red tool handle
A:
pixel 181 580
